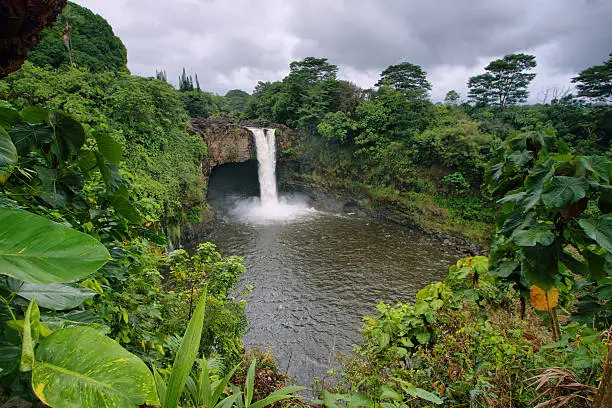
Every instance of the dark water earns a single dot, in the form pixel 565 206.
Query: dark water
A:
pixel 317 277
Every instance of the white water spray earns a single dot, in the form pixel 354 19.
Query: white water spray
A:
pixel 269 208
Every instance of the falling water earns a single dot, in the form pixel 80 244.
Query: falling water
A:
pixel 266 157
pixel 268 207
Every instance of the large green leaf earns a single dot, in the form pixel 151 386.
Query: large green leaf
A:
pixel 51 192
pixel 37 250
pixel 75 318
pixel 520 159
pixel 534 184
pixel 9 358
pixel 531 237
pixel 564 190
pixel 8 152
pixel 120 200
pixel 29 136
pixel 600 166
pixel 34 114
pixel 78 367
pixel 186 355
pixel 539 265
pixel 599 230
pixel 56 296
pixel 69 135
pixel 110 149
pixel 8 118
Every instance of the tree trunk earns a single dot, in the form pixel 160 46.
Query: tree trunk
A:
pixel 603 399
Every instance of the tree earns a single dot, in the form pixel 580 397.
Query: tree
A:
pixel 596 82
pixel 405 77
pixel 185 82
pixel 505 82
pixel 161 75
pixel 236 100
pixel 312 70
pixel 82 38
pixel 452 98
pixel 199 104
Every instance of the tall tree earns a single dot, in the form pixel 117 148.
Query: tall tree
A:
pixel 185 82
pixel 405 77
pixel 161 75
pixel 505 81
pixel 596 82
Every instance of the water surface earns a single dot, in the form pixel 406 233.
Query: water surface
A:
pixel 316 277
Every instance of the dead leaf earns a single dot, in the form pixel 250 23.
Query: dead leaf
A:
pixel 542 300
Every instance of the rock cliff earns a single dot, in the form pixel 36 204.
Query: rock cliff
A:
pixel 229 141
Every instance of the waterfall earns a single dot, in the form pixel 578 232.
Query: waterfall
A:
pixel 265 143
pixel 269 208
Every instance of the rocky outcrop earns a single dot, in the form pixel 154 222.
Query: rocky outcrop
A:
pixel 229 141
pixel 21 22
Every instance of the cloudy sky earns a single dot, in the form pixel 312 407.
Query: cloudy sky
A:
pixel 235 43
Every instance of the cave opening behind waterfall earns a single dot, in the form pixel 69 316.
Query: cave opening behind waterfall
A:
pixel 232 182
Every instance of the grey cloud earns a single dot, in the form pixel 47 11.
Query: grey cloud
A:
pixel 237 42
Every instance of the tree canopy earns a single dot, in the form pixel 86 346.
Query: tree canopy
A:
pixel 596 82
pixel 83 38
pixel 405 77
pixel 505 81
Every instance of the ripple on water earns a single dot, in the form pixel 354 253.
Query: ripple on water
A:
pixel 317 275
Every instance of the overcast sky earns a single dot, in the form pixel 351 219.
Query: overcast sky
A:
pixel 235 43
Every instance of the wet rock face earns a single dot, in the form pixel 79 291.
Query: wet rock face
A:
pixel 21 22
pixel 229 141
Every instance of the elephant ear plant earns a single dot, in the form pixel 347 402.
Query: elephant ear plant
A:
pixel 80 366
pixel 76 366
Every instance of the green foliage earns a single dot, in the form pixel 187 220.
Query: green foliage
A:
pixel 405 77
pixel 456 183
pixel 543 229
pixel 81 367
pixel 144 116
pixel 82 38
pixel 456 144
pixel 473 348
pixel 235 102
pixel 596 82
pixel 505 82
pixel 199 104
pixel 452 98
pixel 187 276
pixel 337 127
pixel 302 99
pixel 186 356
pixel 28 253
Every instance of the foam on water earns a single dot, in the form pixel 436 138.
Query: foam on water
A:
pixel 269 208
pixel 283 210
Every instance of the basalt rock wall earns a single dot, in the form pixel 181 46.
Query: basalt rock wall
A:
pixel 229 141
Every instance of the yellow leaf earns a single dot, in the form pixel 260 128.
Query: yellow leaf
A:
pixel 542 300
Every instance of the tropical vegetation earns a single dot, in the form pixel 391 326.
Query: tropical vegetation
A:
pixel 99 171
